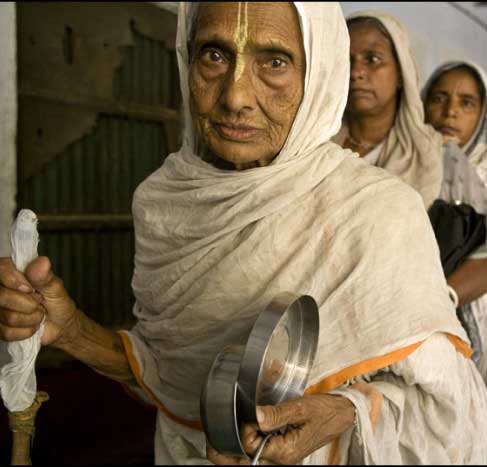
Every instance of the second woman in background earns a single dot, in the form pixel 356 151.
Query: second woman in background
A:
pixel 455 104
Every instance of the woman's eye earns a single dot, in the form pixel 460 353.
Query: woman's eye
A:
pixel 275 64
pixel 373 59
pixel 468 103
pixel 212 56
pixel 438 99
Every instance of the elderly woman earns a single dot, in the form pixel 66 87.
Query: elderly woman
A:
pixel 455 105
pixel 384 118
pixel 259 201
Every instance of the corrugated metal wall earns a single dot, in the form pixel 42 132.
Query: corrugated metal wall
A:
pixel 149 74
pixel 98 175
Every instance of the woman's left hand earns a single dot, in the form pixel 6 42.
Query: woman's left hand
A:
pixel 311 422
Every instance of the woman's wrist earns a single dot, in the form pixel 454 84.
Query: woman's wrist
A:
pixel 98 347
pixel 345 416
pixel 70 333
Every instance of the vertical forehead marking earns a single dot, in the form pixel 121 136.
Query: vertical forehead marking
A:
pixel 240 38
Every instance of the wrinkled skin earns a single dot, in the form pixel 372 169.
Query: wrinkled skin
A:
pixel 25 299
pixel 245 94
pixel 454 105
pixel 313 421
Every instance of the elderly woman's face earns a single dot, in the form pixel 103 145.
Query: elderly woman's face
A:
pixel 454 105
pixel 375 76
pixel 246 78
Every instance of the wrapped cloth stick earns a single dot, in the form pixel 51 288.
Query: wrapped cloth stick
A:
pixel 18 385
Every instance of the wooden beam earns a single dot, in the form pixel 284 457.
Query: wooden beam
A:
pixel 81 222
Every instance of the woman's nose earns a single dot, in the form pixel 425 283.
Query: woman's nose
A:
pixel 451 108
pixel 238 93
pixel 357 71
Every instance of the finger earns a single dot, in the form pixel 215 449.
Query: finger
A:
pixel 274 417
pixel 286 448
pixel 16 334
pixel 14 319
pixel 41 276
pixel 251 437
pixel 39 273
pixel 19 301
pixel 11 278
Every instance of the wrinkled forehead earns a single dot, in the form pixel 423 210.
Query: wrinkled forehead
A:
pixel 262 22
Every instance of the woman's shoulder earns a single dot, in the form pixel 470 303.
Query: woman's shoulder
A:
pixel 373 186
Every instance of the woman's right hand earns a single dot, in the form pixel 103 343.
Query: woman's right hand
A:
pixel 26 298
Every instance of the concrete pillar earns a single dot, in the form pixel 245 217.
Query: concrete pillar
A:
pixel 8 123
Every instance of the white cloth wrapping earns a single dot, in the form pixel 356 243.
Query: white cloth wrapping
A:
pixel 18 383
pixel 412 149
pixel 213 247
pixel 434 403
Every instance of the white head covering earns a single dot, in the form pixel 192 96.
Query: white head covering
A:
pixel 412 150
pixel 476 147
pixel 213 247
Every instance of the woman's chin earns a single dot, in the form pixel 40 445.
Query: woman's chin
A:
pixel 242 155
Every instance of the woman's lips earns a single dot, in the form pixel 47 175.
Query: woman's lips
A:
pixel 448 130
pixel 360 92
pixel 236 132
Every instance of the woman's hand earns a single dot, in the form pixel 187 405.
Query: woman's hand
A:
pixel 469 280
pixel 311 421
pixel 25 299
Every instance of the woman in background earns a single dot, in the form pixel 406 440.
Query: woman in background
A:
pixel 384 123
pixel 384 118
pixel 455 105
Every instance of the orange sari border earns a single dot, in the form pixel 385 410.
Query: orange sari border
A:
pixel 335 380
pixel 193 424
pixel 322 387
pixel 376 363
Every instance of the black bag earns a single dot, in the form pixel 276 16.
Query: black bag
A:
pixel 459 231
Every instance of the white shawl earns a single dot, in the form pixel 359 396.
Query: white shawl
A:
pixel 412 149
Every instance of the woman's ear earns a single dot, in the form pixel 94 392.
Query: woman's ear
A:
pixel 399 83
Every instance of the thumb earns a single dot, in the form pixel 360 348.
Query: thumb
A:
pixel 40 275
pixel 275 417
